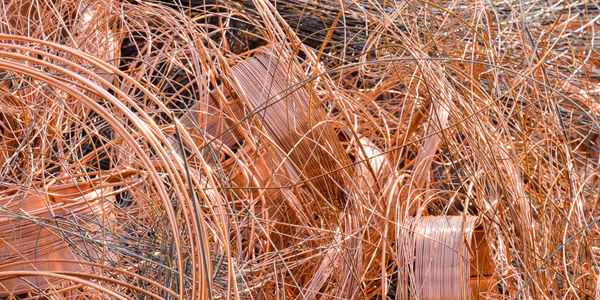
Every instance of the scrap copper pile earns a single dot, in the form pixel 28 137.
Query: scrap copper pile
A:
pixel 299 150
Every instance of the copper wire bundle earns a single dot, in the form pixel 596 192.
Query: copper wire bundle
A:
pixel 446 274
pixel 40 229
